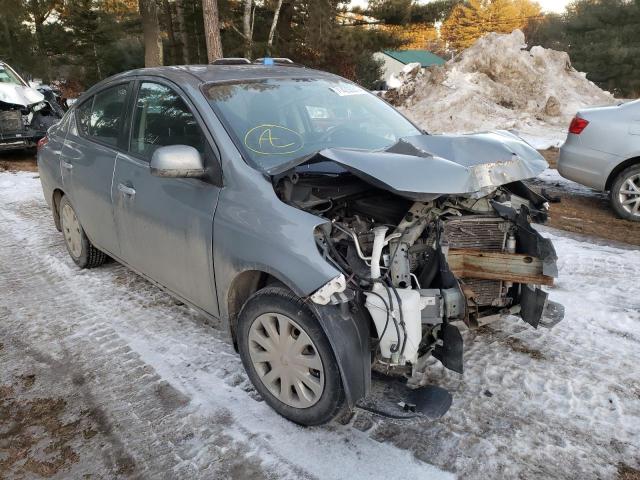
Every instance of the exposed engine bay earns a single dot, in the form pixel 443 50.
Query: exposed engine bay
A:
pixel 419 266
pixel 26 113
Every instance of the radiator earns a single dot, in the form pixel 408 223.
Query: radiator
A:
pixel 10 121
pixel 479 233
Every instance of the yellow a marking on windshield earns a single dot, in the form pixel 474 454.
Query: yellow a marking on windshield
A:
pixel 264 139
pixel 271 138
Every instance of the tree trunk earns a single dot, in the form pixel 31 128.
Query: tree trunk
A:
pixel 171 34
pixel 212 29
pixel 151 33
pixel 181 31
pixel 246 28
pixel 274 24
pixel 196 31
pixel 42 51
pixel 10 37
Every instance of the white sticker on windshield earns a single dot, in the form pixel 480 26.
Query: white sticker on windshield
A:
pixel 351 90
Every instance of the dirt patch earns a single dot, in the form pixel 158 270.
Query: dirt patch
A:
pixel 551 155
pixel 34 423
pixel 18 161
pixel 592 216
pixel 519 346
pixel 625 472
pixel 513 343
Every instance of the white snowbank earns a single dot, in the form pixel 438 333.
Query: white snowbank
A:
pixel 498 84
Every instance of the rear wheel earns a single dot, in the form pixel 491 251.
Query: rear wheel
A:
pixel 80 249
pixel 288 357
pixel 625 194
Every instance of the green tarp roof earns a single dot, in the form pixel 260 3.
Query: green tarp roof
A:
pixel 423 57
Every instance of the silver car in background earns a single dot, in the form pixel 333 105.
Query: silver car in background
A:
pixel 602 151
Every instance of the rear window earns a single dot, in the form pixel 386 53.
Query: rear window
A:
pixel 100 117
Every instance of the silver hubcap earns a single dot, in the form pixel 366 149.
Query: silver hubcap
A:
pixel 286 360
pixel 71 231
pixel 629 194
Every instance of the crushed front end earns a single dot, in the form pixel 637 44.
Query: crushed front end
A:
pixel 25 113
pixel 421 262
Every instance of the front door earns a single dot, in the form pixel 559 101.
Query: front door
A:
pixel 165 225
pixel 87 161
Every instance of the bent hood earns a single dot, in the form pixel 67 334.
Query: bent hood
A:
pixel 19 94
pixel 425 167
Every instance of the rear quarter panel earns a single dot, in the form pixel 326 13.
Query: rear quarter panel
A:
pixel 49 158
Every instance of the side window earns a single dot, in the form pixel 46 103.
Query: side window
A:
pixel 100 117
pixel 83 115
pixel 162 118
pixel 106 114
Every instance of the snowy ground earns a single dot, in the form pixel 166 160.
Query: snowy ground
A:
pixel 103 374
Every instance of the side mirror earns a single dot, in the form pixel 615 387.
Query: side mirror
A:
pixel 177 161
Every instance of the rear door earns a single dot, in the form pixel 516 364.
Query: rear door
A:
pixel 88 160
pixel 165 225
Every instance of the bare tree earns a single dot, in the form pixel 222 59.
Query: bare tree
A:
pixel 212 29
pixel 181 33
pixel 247 30
pixel 172 56
pixel 39 11
pixel 151 33
pixel 272 32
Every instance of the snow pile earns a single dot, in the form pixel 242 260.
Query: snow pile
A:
pixel 498 84
pixel 408 73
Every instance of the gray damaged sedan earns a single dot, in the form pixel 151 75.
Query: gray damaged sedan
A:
pixel 330 234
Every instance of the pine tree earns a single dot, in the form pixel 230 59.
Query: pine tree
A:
pixel 604 40
pixel 470 21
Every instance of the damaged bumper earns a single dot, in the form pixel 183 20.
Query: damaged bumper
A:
pixel 26 138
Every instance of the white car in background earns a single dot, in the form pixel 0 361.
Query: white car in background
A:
pixel 26 111
pixel 602 151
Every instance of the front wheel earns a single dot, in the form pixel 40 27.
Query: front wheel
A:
pixel 625 194
pixel 288 357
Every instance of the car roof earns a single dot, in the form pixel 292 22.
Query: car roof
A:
pixel 199 74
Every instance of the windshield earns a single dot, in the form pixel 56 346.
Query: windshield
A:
pixel 7 76
pixel 278 120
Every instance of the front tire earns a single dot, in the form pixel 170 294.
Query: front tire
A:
pixel 625 194
pixel 288 357
pixel 80 248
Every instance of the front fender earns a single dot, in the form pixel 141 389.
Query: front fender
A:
pixel 347 329
pixel 254 230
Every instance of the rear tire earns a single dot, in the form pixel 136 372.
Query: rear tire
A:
pixel 80 248
pixel 625 194
pixel 288 358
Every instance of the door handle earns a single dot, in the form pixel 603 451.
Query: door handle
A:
pixel 130 192
pixel 66 165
